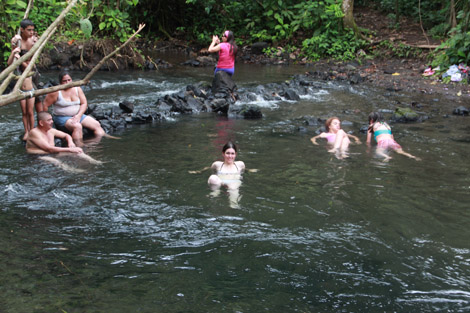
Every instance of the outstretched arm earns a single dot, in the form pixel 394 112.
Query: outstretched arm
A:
pixel 358 141
pixel 199 171
pixel 314 139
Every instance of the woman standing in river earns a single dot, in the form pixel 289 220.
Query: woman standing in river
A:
pixel 227 52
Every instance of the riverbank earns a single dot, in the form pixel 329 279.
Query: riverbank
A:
pixel 392 74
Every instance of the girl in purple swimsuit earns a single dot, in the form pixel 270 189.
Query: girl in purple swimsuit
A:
pixel 337 138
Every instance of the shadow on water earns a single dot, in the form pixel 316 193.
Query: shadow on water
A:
pixel 312 233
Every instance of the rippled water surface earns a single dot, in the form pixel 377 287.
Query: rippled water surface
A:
pixel 312 233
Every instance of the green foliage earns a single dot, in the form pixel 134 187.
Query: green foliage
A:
pixel 457 48
pixel 86 27
pixel 280 22
pixel 387 48
pixel 114 22
pixel 331 43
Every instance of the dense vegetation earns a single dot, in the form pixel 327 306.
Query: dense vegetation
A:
pixel 313 28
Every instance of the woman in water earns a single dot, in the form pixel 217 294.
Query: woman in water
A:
pixel 383 135
pixel 227 52
pixel 69 106
pixel 227 173
pixel 337 138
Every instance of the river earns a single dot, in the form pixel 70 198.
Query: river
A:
pixel 312 233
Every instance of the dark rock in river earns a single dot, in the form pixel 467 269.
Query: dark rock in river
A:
pixel 291 94
pixel 127 106
pixel 246 111
pixel 461 110
pixel 406 115
pixel 223 83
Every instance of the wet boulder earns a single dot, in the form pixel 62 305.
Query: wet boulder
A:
pixel 200 90
pixel 127 106
pixel 223 83
pixel 291 94
pixel 312 121
pixel 461 110
pixel 405 115
pixel 246 111
pixel 220 105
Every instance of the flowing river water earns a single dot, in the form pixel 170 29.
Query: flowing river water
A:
pixel 312 233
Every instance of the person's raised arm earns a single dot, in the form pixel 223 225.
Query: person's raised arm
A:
pixel 215 44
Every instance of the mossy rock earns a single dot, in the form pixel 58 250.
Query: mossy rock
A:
pixel 405 115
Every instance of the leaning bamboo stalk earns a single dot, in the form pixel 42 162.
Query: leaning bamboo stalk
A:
pixel 16 96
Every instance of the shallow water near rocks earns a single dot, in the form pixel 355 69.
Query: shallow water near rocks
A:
pixel 312 233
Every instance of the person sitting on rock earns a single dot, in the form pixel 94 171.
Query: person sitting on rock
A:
pixel 41 141
pixel 227 52
pixel 69 106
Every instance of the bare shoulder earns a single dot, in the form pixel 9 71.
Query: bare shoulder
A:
pixel 33 133
pixel 240 164
pixel 216 164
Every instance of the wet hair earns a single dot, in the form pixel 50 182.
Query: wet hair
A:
pixel 329 121
pixel 376 117
pixel 231 40
pixel 373 118
pixel 62 74
pixel 25 23
pixel 229 145
pixel 42 116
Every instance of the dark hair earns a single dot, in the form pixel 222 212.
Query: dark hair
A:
pixel 25 23
pixel 231 41
pixel 373 118
pixel 328 122
pixel 62 74
pixel 41 116
pixel 376 117
pixel 229 145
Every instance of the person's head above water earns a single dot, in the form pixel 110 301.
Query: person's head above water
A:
pixel 329 121
pixel 63 74
pixel 229 145
pixel 375 117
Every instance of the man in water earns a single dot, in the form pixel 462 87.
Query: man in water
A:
pixel 40 140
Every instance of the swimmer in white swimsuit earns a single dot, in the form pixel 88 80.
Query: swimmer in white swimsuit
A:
pixel 227 173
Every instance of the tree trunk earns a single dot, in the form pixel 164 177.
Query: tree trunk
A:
pixel 453 17
pixel 348 19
